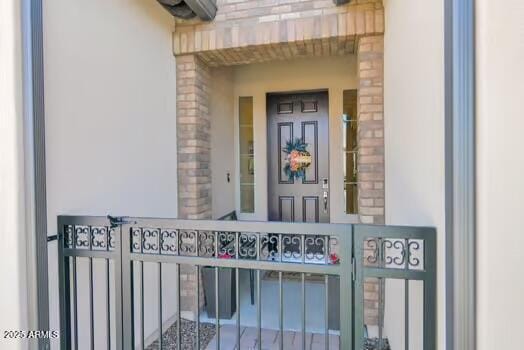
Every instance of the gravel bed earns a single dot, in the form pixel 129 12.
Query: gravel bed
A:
pixel 188 333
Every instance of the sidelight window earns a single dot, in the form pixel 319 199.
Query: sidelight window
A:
pixel 350 161
pixel 247 159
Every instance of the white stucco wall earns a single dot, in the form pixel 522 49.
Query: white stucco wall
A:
pixel 110 94
pixel 500 171
pixel 13 267
pixel 414 130
pixel 222 141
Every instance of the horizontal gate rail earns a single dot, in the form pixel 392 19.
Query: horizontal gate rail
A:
pixel 123 246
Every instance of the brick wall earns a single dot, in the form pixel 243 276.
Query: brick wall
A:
pixel 194 171
pixel 370 101
pixel 242 26
pixel 371 129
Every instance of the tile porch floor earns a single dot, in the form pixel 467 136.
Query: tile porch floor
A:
pixel 270 339
pixel 270 317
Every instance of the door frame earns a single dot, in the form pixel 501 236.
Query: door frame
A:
pixel 268 153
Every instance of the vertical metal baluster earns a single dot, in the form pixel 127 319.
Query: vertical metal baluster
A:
pixel 91 305
pixel 90 237
pixel 198 307
pixel 280 311
pixel 142 338
pixel 75 302
pixel 382 264
pixel 326 300
pixel 303 247
pixel 326 250
pixel 160 341
pixel 326 306
pixel 303 310
pixel 179 309
pixel 217 302
pixel 380 311
pixel 217 309
pixel 406 313
pixel 108 304
pixel 237 288
pixel 237 292
pixel 406 297
pixel 108 311
pixel 280 251
pixel 259 312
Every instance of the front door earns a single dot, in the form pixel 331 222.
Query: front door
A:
pixel 298 164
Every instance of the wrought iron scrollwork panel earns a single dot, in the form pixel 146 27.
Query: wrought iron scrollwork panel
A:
pixel 247 245
pixel 416 254
pixel 169 242
pixel 82 237
pixel 68 236
pixel 206 243
pixel 99 238
pixel 111 239
pixel 226 244
pixel 393 253
pixel 87 237
pixel 188 242
pixel 150 240
pixel 136 240
pixel 278 247
pixel 270 247
pixel 315 248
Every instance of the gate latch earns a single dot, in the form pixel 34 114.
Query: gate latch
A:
pixel 119 221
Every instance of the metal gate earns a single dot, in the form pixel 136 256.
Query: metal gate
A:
pixel 104 263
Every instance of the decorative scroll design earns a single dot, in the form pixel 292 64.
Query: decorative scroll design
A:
pixel 269 244
pixel 68 236
pixel 292 247
pixel 89 237
pixel 111 239
pixel 393 253
pixel 315 248
pixel 169 242
pixel 247 245
pixel 82 237
pixel 150 240
pixel 413 249
pixel 372 244
pixel 99 238
pixel 206 243
pixel 187 242
pixel 226 244
pixel 136 239
pixel 397 246
pixel 277 247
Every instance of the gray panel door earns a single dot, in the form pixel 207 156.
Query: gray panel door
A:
pixel 298 159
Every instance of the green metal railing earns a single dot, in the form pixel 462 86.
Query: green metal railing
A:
pixel 347 253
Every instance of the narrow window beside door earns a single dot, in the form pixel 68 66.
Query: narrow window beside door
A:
pixel 350 130
pixel 247 152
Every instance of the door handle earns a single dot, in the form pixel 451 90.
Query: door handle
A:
pixel 325 197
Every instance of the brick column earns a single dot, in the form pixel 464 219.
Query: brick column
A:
pixel 193 138
pixel 371 129
pixel 371 150
pixel 193 148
